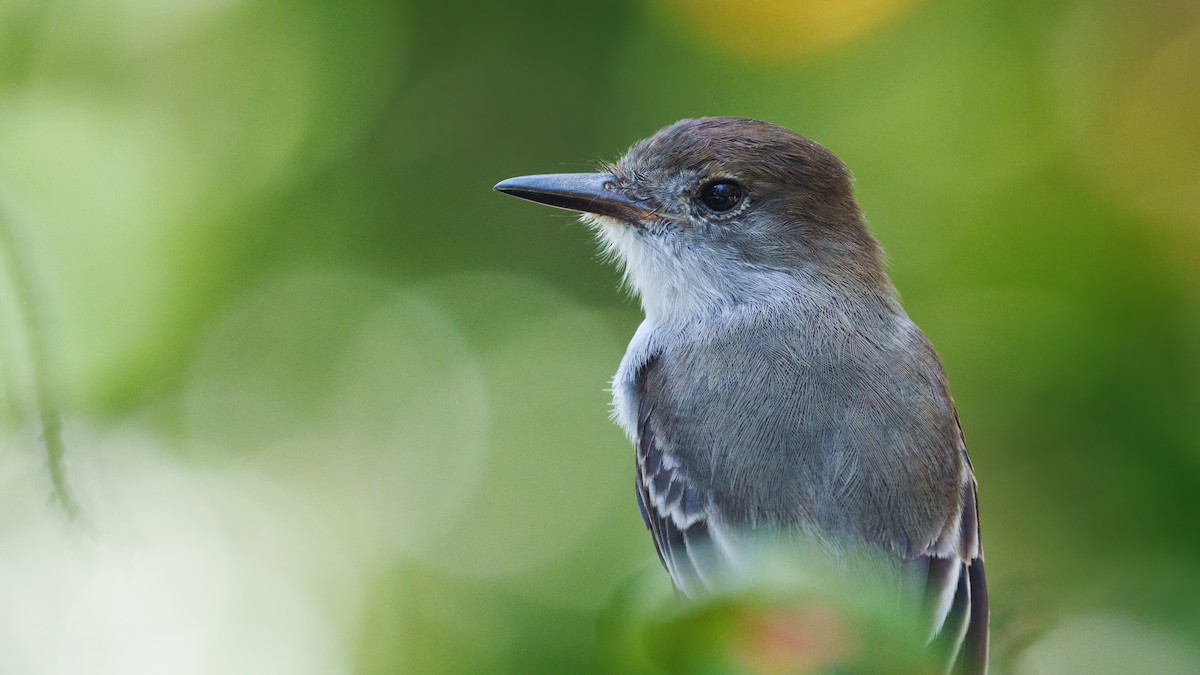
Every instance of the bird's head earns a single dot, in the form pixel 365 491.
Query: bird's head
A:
pixel 719 211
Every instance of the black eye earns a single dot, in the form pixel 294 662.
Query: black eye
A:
pixel 721 195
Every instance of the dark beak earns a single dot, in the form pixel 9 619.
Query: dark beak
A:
pixel 586 192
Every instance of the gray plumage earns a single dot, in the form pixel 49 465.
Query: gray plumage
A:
pixel 777 386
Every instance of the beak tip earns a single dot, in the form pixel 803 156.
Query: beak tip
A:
pixel 506 186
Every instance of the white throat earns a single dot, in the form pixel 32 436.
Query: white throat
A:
pixel 677 282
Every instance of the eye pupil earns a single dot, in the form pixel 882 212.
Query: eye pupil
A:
pixel 721 195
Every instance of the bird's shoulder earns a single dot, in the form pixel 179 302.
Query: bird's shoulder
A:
pixel 821 415
pixel 815 350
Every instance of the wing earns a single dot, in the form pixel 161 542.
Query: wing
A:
pixel 693 542
pixel 674 509
pixel 955 588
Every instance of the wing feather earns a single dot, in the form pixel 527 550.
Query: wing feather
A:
pixel 679 516
pixel 955 598
pixel 674 510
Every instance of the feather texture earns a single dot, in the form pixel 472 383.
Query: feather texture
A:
pixel 813 483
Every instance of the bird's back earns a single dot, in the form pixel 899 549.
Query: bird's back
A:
pixel 790 419
pixel 794 418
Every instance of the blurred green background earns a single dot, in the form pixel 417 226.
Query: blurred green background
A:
pixel 331 405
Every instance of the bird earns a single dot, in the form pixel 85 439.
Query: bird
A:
pixel 776 384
